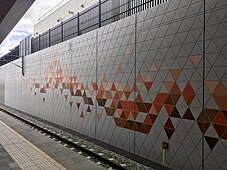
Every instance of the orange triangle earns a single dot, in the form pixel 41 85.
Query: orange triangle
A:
pixel 148 78
pixel 119 111
pixel 74 78
pixel 113 88
pixel 87 88
pixel 135 88
pixel 101 88
pixel 110 95
pixel 120 70
pixel 126 113
pixel 119 87
pixel 175 73
pixel 139 78
pixel 169 85
pixel 91 92
pixel 95 86
pixel 158 100
pixel 127 87
pixel 220 119
pixel 127 51
pixel 211 85
pixel 116 102
pixel 152 110
pixel 113 105
pixel 130 117
pixel 104 95
pixel 221 101
pixel 220 90
pixel 116 96
pixel 100 93
pixel 104 80
pixel 98 116
pixel 196 59
pixel 119 93
pixel 153 67
pixel 82 87
pixel 135 114
pixel 158 107
pixel 147 120
pixel 108 86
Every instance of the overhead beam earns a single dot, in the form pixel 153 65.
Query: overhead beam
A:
pixel 16 12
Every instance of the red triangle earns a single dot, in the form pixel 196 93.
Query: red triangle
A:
pixel 188 99
pixel 169 109
pixel 220 119
pixel 148 85
pixel 158 107
pixel 175 89
pixel 127 94
pixel 78 105
pixel 95 86
pixel 139 98
pixel 66 96
pixel 113 88
pixel 189 90
pixel 169 124
pixel 82 115
pixel 147 120
pixel 88 109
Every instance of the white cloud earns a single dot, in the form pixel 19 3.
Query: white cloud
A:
pixel 25 26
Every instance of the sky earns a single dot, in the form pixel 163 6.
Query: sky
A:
pixel 25 26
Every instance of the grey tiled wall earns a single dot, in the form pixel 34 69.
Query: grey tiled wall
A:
pixel 138 82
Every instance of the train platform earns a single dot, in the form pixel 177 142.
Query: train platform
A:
pixel 62 147
pixel 23 147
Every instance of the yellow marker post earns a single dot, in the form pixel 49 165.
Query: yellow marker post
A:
pixel 163 157
pixel 165 146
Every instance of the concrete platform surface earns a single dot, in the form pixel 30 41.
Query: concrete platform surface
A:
pixel 29 149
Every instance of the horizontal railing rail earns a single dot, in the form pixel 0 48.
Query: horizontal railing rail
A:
pixel 99 14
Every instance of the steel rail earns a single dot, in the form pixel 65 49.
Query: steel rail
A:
pixel 66 141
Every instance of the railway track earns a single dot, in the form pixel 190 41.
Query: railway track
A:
pixel 99 158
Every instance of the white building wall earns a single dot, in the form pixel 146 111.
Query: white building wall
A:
pixel 63 13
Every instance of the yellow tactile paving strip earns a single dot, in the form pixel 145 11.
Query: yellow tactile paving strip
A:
pixel 28 156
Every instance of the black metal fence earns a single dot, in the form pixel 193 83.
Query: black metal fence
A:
pixel 12 55
pixel 100 14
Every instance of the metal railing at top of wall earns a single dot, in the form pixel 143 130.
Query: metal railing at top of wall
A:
pixel 12 55
pixel 99 14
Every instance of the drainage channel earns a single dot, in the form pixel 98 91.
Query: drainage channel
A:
pixel 80 149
